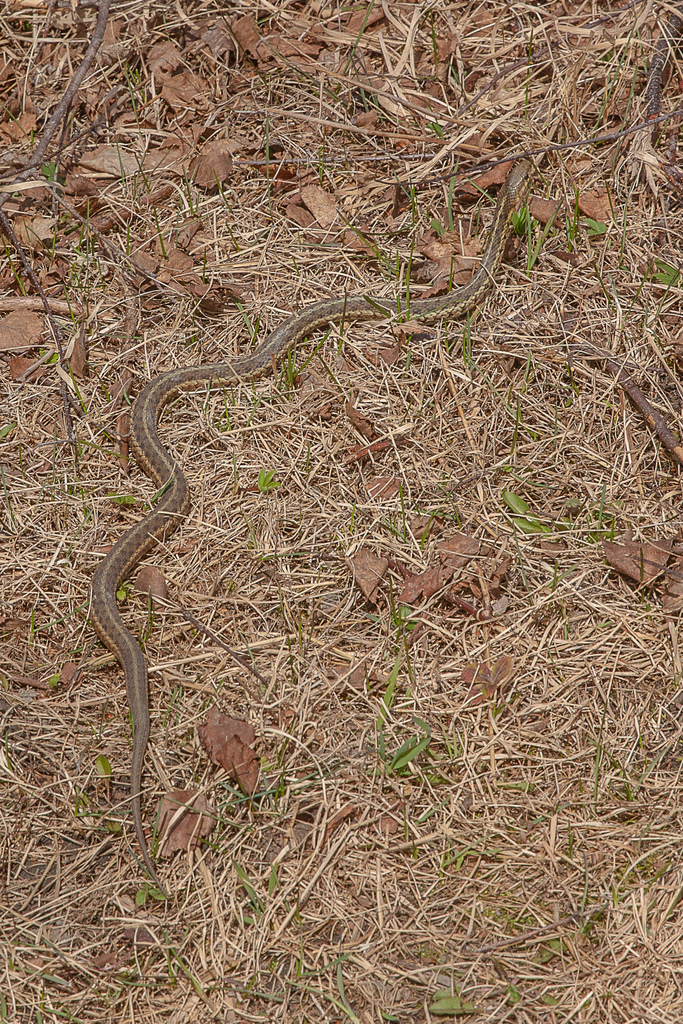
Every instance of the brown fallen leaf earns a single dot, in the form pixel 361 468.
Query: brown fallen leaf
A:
pixel 383 487
pixel 672 599
pixel 151 580
pixel 362 424
pixel 485 681
pixel 543 210
pixel 228 741
pixel 640 561
pixel 20 329
pixel 321 204
pixel 458 549
pixel 339 818
pixel 368 570
pixel 426 584
pixel 114 161
pixel 596 205
pixel 213 166
pixel 78 361
pixel 196 821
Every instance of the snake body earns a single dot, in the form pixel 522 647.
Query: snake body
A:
pixel 173 503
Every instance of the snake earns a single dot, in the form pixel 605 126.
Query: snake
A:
pixel 173 500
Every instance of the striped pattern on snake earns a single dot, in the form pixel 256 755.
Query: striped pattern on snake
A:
pixel 173 502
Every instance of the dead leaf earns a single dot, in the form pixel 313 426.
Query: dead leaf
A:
pixel 383 487
pixel 641 562
pixel 458 549
pixel 151 581
pixel 368 570
pixel 20 330
pixel 78 361
pixel 247 36
pixel 213 166
pixel 596 205
pixel 544 209
pixel 426 584
pixel 228 741
pixel 163 58
pixel 321 204
pixel 196 821
pixel 485 681
pixel 114 161
pixel 359 421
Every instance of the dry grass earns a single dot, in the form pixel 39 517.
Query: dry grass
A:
pixel 529 858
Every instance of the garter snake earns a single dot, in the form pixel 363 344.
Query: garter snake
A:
pixel 173 503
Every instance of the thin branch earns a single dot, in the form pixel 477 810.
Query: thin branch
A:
pixel 65 102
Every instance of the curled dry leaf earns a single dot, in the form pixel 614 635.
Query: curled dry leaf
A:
pixel 228 741
pixel 362 424
pixel 185 832
pixel 368 570
pixel 485 681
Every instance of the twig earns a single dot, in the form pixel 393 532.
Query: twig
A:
pixel 65 102
pixel 239 658
pixel 653 418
